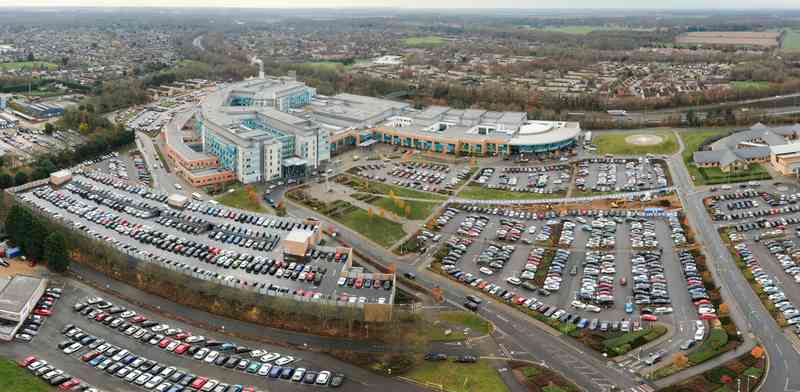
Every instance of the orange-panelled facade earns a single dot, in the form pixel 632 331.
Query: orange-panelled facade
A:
pixel 185 167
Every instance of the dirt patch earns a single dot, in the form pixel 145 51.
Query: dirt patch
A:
pixel 644 140
pixel 21 267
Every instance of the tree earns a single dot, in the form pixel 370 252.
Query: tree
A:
pixel 369 212
pixel 680 360
pixel 757 352
pixel 20 178
pixel 724 309
pixel 49 128
pixel 55 252
pixel 408 211
pixel 83 128
pixel 6 180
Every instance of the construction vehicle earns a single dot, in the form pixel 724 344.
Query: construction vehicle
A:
pixel 618 203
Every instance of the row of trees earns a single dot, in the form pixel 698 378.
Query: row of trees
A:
pixel 32 235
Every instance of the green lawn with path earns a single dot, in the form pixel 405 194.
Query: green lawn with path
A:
pixel 17 379
pixel 459 377
pixel 380 188
pixel 614 143
pixel 418 209
pixel 28 65
pixel 456 321
pixel 477 192
pixel 381 230
pixel 428 41
pixel 240 199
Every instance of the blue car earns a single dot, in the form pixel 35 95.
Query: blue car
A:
pixel 275 372
pixel 235 388
pixel 287 372
pixel 176 388
pixel 582 324
pixel 96 360
pixel 629 308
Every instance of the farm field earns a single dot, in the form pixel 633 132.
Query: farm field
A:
pixel 583 30
pixel 430 41
pixel 792 40
pixel 750 84
pixel 743 38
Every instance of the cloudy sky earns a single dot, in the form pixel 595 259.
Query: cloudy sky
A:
pixel 531 4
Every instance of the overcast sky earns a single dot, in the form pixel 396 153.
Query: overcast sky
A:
pixel 530 4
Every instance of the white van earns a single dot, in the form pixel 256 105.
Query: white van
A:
pixel 178 186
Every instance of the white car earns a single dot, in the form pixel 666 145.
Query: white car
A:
pixel 211 357
pixel 298 374
pixel 699 334
pixel 200 354
pixel 513 281
pixel 264 369
pixel 486 271
pixel 73 348
pixel 209 385
pixel 578 305
pixel 284 360
pixel 593 308
pixel 171 346
pixel 127 314
pixel 269 357
pixel 156 380
pixel 160 327
pixel 323 377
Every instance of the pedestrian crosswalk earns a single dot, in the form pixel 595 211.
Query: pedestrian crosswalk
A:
pixel 632 364
pixel 642 388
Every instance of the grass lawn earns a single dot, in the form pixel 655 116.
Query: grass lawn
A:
pixel 27 65
pixel 18 379
pixel 380 230
pixel 419 209
pixel 240 199
pixel 477 192
pixel 710 348
pixel 792 40
pixel 456 321
pixel 459 377
pixel 750 85
pixel 380 188
pixel 628 341
pixel 429 41
pixel 614 143
pixel 326 65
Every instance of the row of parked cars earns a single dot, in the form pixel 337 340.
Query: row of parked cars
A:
pixel 472 226
pixel 54 376
pixel 45 307
pixel 602 233
pixel 271 222
pixel 642 234
pixel 786 253
pixel 694 283
pixel 110 199
pixel 769 285
pixel 649 278
pixel 179 342
pixel 597 282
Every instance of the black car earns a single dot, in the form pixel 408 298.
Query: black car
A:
pixel 467 359
pixel 435 357
pixel 337 380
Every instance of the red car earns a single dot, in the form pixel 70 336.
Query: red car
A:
pixel 708 316
pixel 181 348
pixel 27 361
pixel 164 342
pixel 249 389
pixel 43 312
pixel 89 356
pixel 702 302
pixel 182 335
pixel 69 384
pixel 520 300
pixel 649 317
pixel 138 319
pixel 199 382
pixel 101 317
pixel 359 283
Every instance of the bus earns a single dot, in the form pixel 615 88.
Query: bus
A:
pixel 197 196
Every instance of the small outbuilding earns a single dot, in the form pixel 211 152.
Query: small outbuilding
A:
pixel 177 200
pixel 60 177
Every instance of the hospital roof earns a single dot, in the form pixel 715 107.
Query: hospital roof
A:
pixel 174 137
pixel 17 291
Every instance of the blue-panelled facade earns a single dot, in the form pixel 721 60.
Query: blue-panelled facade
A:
pixel 226 152
pixel 540 148
pixel 287 141
pixel 297 100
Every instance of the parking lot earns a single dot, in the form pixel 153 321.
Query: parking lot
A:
pixel 422 176
pixel 609 271
pixel 536 179
pixel 26 142
pixel 620 175
pixel 152 359
pixel 229 246
pixel 762 222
